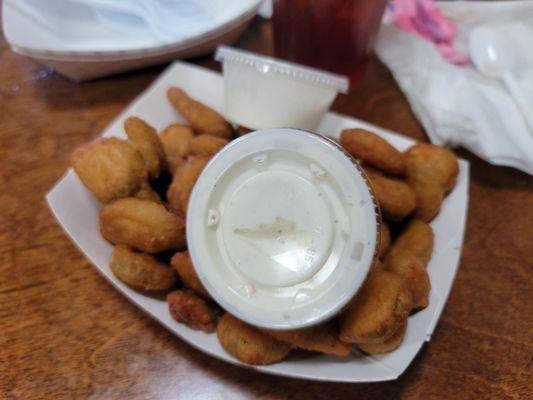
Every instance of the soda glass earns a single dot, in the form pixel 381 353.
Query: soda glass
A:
pixel 333 35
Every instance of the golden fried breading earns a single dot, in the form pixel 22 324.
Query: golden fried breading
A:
pixel 176 140
pixel 248 344
pixel 377 310
pixel 384 239
pixel 183 182
pixel 184 306
pixel 204 120
pixel 141 270
pixel 376 265
pixel 142 224
pixel 395 197
pixel 144 138
pixel 417 238
pixel 207 145
pixel 146 192
pixel 241 131
pixel 388 345
pixel 427 162
pixel 323 338
pixel 174 164
pixel 182 263
pixel 416 277
pixel 408 257
pixel 373 149
pixel 429 197
pixel 431 171
pixel 110 168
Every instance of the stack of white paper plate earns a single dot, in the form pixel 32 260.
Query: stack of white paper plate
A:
pixel 75 40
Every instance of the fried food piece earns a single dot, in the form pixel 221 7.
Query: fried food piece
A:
pixel 182 264
pixel 429 198
pixel 144 225
pixel 248 344
pixel 144 138
pixel 184 306
pixel 376 265
pixel 204 120
pixel 388 345
pixel 408 257
pixel 395 197
pixel 431 171
pixel 141 270
pixel 384 239
pixel 323 338
pixel 176 140
pixel 242 130
pixel 373 149
pixel 416 277
pixel 110 168
pixel 417 238
pixel 146 192
pixel 183 182
pixel 377 310
pixel 207 145
pixel 428 162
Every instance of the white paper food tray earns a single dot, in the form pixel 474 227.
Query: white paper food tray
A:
pixel 77 212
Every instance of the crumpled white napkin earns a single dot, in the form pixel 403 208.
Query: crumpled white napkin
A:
pixel 456 104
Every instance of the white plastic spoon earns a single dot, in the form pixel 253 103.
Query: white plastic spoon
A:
pixel 495 57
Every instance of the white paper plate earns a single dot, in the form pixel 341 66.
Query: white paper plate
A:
pixel 65 30
pixel 77 212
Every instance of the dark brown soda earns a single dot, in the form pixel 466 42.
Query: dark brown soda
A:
pixel 333 35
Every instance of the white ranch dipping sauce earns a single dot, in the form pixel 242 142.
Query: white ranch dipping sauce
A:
pixel 263 92
pixel 282 228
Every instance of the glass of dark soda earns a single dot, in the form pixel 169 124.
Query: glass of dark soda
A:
pixel 333 35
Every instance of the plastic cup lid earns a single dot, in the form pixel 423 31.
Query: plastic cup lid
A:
pixel 282 228
pixel 268 65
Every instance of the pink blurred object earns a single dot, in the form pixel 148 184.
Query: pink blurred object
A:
pixel 425 19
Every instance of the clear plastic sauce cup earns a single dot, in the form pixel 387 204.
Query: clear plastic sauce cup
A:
pixel 282 228
pixel 263 92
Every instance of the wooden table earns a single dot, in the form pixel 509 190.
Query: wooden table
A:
pixel 66 333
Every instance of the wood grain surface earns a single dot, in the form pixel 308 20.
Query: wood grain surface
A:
pixel 65 333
